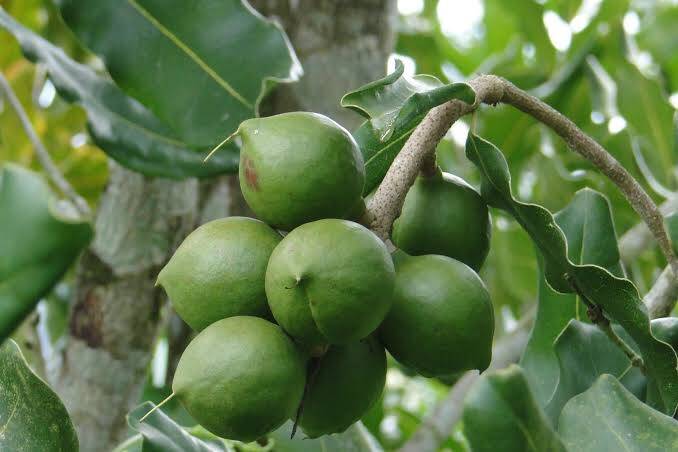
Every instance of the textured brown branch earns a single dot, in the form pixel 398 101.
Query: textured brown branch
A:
pixel 385 205
pixel 586 146
pixel 387 201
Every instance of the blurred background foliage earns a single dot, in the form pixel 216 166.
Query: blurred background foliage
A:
pixel 610 65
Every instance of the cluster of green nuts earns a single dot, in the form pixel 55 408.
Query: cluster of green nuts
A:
pixel 297 326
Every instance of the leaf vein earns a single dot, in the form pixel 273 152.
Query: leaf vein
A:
pixel 191 54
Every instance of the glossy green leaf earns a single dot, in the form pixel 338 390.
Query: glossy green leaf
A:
pixel 32 418
pixel 616 296
pixel 539 359
pixel 671 223
pixel 202 71
pixel 501 414
pixel 665 329
pixel 38 242
pixel 394 106
pixel 609 417
pixel 355 439
pixel 511 248
pixel 159 433
pixel 591 239
pixel 393 102
pixel 584 354
pixel 119 125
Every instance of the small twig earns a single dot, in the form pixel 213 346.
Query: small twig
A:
pixel 157 407
pixel 634 357
pixel 595 313
pixel 40 150
pixel 385 205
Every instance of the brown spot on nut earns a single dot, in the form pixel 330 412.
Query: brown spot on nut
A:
pixel 251 174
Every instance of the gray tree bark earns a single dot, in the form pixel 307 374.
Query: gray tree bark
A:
pixel 116 312
pixel 341 44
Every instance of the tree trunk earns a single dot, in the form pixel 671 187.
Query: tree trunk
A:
pixel 115 317
pixel 341 44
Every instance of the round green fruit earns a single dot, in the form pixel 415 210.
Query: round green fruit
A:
pixel 442 320
pixel 219 270
pixel 330 281
pixel 442 214
pixel 299 167
pixel 241 378
pixel 348 380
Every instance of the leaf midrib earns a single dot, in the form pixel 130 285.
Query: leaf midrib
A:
pixel 190 53
pixel 393 142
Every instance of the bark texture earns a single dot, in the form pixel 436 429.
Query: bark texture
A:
pixel 341 44
pixel 116 313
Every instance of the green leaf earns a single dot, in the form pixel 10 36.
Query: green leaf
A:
pixel 609 417
pixel 666 329
pixel 511 248
pixel 202 71
pixel 616 296
pixel 645 106
pixel 539 359
pixel 355 439
pixel 38 243
pixel 591 239
pixel 584 354
pixel 32 418
pixel 118 124
pixel 159 433
pixel 671 223
pixel 501 413
pixel 394 106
